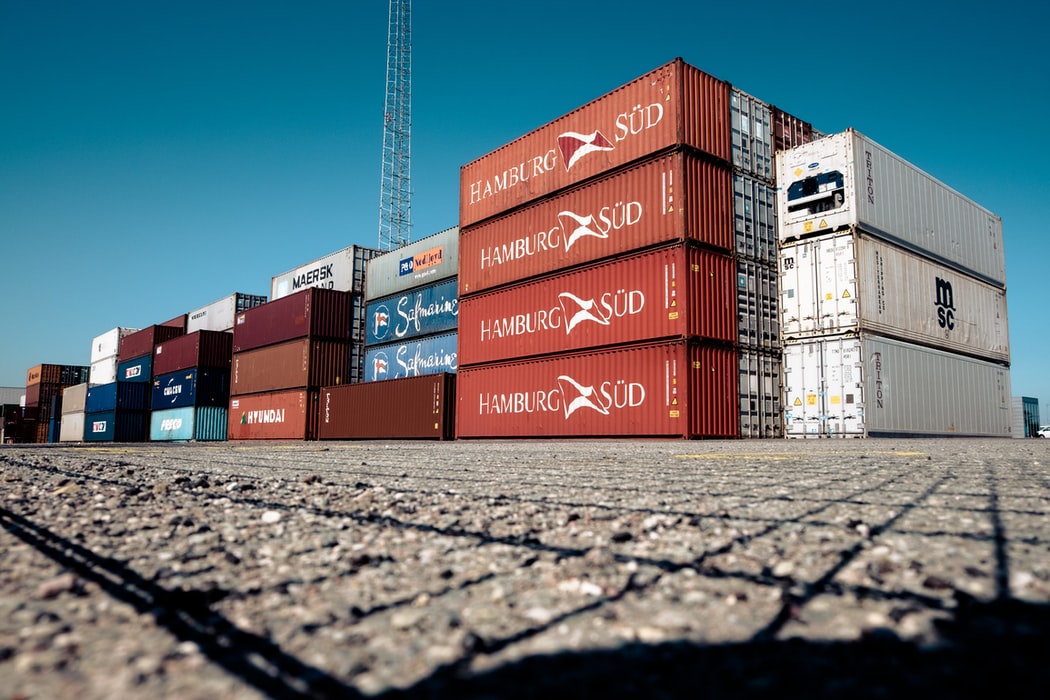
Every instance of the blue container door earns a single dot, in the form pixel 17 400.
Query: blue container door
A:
pixel 210 423
pixel 133 396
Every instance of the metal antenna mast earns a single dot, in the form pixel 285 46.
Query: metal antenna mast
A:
pixel 395 206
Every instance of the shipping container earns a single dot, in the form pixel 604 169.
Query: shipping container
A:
pixel 400 409
pixel 426 310
pixel 282 415
pixel 138 369
pixel 176 322
pixel 673 105
pixel 341 271
pixel 201 423
pixel 850 282
pixel 63 375
pixel 74 398
pixel 212 349
pixel 311 313
pixel 295 364
pixel 107 345
pixel 671 389
pixel 191 387
pixel 678 291
pixel 72 428
pixel 142 342
pixel 116 426
pixel 429 355
pixel 761 412
pixel 219 315
pixel 850 386
pixel 847 180
pixel 758 306
pixel 420 263
pixel 675 197
pixel 103 371
pixel 357 363
pixel 123 396
pixel 752 138
pixel 789 131
pixel 754 219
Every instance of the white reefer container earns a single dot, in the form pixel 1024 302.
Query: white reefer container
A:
pixel 847 179
pixel 849 282
pixel 870 386
pixel 343 271
pixel 420 263
pixel 219 315
pixel 106 345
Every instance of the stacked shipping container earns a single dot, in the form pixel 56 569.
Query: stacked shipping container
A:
pixel 191 387
pixel 893 298
pixel 45 384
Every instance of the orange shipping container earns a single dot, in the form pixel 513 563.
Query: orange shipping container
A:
pixel 676 104
pixel 282 415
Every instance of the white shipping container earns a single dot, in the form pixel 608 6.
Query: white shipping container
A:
pixel 847 180
pixel 849 282
pixel 870 386
pixel 219 315
pixel 103 371
pixel 72 427
pixel 423 262
pixel 107 344
pixel 343 271
pixel 74 398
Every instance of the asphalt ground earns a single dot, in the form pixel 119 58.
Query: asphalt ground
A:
pixel 490 569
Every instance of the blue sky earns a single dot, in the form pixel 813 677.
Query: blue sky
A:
pixel 157 156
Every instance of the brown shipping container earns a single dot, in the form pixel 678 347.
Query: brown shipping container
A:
pixel 669 198
pixel 144 341
pixel 177 322
pixel 789 131
pixel 313 312
pixel 205 349
pixel 680 291
pixel 676 104
pixel 66 375
pixel 672 389
pixel 395 409
pixel 295 364
pixel 282 415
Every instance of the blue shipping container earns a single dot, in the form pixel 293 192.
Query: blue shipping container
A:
pixel 188 423
pixel 116 426
pixel 191 387
pixel 430 355
pixel 413 313
pixel 139 369
pixel 130 396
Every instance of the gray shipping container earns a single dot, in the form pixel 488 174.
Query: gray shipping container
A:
pixel 72 427
pixel 871 386
pixel 850 282
pixel 761 413
pixel 754 219
pixel 425 261
pixel 74 398
pixel 343 271
pixel 846 180
pixel 219 315
pixel 758 310
pixel 752 135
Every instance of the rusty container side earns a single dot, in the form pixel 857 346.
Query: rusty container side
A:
pixel 399 409
pixel 305 362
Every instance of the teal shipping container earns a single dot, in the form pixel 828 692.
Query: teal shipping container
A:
pixel 188 423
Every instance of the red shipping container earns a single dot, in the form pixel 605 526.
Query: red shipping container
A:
pixel 672 389
pixel 396 409
pixel 313 312
pixel 203 349
pixel 674 197
pixel 676 104
pixel 675 292
pixel 282 415
pixel 789 131
pixel 295 364
pixel 144 341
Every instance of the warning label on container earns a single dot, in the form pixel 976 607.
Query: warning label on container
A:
pixel 845 294
pixel 797 402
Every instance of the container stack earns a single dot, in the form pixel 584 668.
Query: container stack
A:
pixel 893 298
pixel 597 270
pixel 283 352
pixel 45 384
pixel 190 391
pixel 74 405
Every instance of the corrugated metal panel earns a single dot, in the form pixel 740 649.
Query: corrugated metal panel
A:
pixel 125 396
pixel 751 133
pixel 283 415
pixel 213 349
pixel 430 355
pixel 72 428
pixel 191 387
pixel 673 292
pixel 307 362
pixel 849 282
pixel 107 344
pixel 670 198
pixel 755 219
pixel 176 322
pixel 789 131
pixel 219 315
pixel 103 371
pixel 142 342
pixel 139 369
pixel 761 414
pixel 116 426
pixel 315 313
pixel 848 180
pixel 423 262
pixel 426 310
pixel 848 386
pixel 758 306
pixel 342 271
pixel 674 389
pixel 675 104
pixel 64 375
pixel 409 408
pixel 74 398
pixel 189 423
